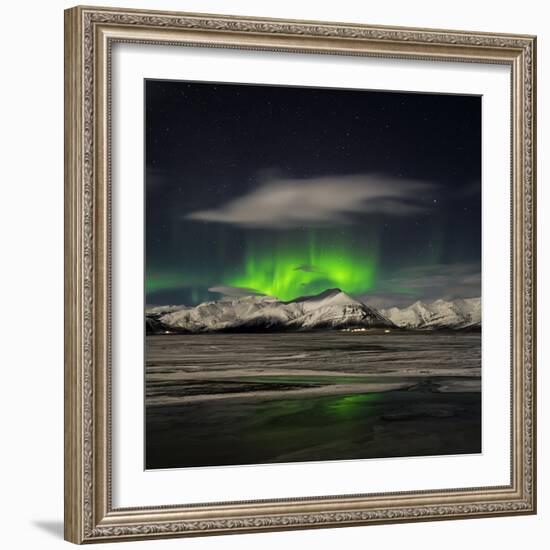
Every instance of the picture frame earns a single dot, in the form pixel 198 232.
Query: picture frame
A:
pixel 90 35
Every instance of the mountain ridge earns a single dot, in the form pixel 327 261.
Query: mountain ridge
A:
pixel 462 313
pixel 331 309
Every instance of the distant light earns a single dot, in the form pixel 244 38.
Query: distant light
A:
pixel 387 331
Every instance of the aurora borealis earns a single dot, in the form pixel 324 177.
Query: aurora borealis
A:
pixel 293 267
pixel 290 191
pixel 299 269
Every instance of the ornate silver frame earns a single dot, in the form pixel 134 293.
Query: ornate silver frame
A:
pixel 89 35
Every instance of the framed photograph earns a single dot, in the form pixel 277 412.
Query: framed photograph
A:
pixel 300 274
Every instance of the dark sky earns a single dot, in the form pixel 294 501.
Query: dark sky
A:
pixel 288 191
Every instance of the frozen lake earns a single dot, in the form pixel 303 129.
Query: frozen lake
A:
pixel 221 399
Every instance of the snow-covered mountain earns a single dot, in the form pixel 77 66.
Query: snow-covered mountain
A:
pixel 455 314
pixel 161 310
pixel 331 309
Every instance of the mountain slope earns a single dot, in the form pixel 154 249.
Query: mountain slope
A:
pixel 455 314
pixel 330 309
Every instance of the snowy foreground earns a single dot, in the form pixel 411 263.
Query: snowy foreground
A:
pixel 184 368
pixel 215 398
pixel 332 309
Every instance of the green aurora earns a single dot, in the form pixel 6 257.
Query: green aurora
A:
pixel 291 265
pixel 290 271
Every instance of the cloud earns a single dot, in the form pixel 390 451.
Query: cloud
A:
pixel 384 300
pixel 308 269
pixel 234 291
pixel 427 283
pixel 286 203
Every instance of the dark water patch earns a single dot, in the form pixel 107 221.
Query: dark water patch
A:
pixel 376 425
pixel 216 387
pixel 314 379
pixel 349 347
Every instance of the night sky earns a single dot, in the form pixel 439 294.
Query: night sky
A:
pixel 289 191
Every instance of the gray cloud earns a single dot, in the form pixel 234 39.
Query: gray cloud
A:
pixel 285 203
pixel 384 300
pixel 426 283
pixel 234 291
pixel 308 268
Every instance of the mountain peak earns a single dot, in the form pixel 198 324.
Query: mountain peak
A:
pixel 331 309
pixel 328 293
pixel 332 291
